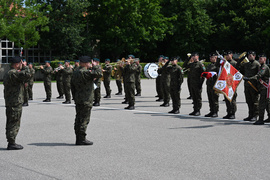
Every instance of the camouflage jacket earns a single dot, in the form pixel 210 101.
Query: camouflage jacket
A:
pixel 138 72
pixel 82 83
pixel 108 71
pixel 250 69
pixel 32 75
pixel 176 74
pixel 66 73
pixel 196 69
pixel 129 72
pixel 14 86
pixel 97 68
pixel 263 74
pixel 212 68
pixel 47 71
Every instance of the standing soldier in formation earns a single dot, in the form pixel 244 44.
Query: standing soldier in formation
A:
pixel 82 82
pixel 25 92
pixel 165 82
pixel 67 73
pixel 59 80
pixel 211 93
pixel 129 72
pixel 250 69
pixel 118 76
pixel 14 81
pixel 107 71
pixel 158 80
pixel 231 106
pixel 31 80
pixel 138 77
pixel 97 82
pixel 196 82
pixel 47 72
pixel 130 57
pixel 263 79
pixel 176 74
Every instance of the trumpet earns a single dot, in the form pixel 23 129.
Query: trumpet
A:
pixel 243 58
pixel 37 67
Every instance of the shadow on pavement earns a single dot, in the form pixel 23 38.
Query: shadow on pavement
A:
pixel 51 144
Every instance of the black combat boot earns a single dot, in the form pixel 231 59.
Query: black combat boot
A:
pixel 47 100
pixel 66 102
pixel 138 94
pixel 227 116
pixel 14 146
pixel 25 104
pixel 248 118
pixel 159 100
pixel 191 114
pixel 172 111
pixel 209 114
pixel 96 104
pixel 84 142
pixel 197 113
pixel 214 115
pixel 60 97
pixel 125 102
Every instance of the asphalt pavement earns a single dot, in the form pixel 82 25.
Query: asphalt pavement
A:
pixel 145 143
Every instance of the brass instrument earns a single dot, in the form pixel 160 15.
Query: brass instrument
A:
pixel 243 56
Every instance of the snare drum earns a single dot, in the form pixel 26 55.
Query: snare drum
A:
pixel 150 70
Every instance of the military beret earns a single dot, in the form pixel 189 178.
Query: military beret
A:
pixel 262 55
pixel 195 54
pixel 136 60
pixel 96 59
pixel 132 56
pixel 174 58
pixel 85 59
pixel 76 60
pixel 47 61
pixel 67 60
pixel 166 58
pixel 16 59
pixel 60 63
pixel 251 52
pixel 161 56
pixel 227 52
pixel 23 60
pixel 107 59
pixel 212 54
pixel 30 63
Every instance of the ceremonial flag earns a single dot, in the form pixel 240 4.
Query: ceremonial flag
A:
pixel 208 75
pixel 228 80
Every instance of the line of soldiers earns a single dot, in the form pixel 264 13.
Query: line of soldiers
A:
pixel 256 78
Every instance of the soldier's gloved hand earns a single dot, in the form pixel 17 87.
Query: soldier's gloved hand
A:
pixel 245 78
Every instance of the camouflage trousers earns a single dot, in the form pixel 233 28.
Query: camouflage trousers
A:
pixel 130 93
pixel 107 86
pixel 165 85
pixel 97 94
pixel 231 106
pixel 13 115
pixel 212 99
pixel 25 93
pixel 252 100
pixel 175 95
pixel 48 89
pixel 30 90
pixel 263 104
pixel 196 93
pixel 82 120
pixel 138 85
pixel 159 87
pixel 67 91
pixel 119 85
pixel 60 88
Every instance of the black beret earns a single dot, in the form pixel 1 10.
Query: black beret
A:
pixel 262 55
pixel 107 60
pixel 195 54
pixel 251 52
pixel 212 54
pixel 16 59
pixel 227 52
pixel 85 59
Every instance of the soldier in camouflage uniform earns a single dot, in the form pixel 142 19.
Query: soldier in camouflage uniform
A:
pixel 118 76
pixel 59 80
pixel 25 90
pixel 165 82
pixel 67 73
pixel 158 80
pixel 196 82
pixel 231 106
pixel 83 84
pixel 129 72
pixel 47 71
pixel 138 78
pixel 262 77
pixel 250 69
pixel 107 71
pixel 76 65
pixel 211 93
pixel 13 93
pixel 31 81
pixel 97 82
pixel 176 74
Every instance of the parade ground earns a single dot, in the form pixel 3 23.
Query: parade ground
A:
pixel 146 143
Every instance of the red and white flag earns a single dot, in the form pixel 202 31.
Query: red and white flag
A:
pixel 209 74
pixel 228 80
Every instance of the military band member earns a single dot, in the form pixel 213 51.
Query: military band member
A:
pixel 97 81
pixel 59 80
pixel 211 93
pixel 118 76
pixel 130 58
pixel 47 72
pixel 196 82
pixel 31 81
pixel 83 84
pixel 13 93
pixel 67 73
pixel 165 83
pixel 138 77
pixel 176 75
pixel 231 106
pixel 262 77
pixel 158 79
pixel 250 69
pixel 107 71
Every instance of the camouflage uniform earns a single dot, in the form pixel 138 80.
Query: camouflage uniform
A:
pixel 176 74
pixel 67 72
pixel 31 82
pixel 196 81
pixel 129 72
pixel 165 83
pixel 97 81
pixel 13 94
pixel 82 83
pixel 47 71
pixel 250 69
pixel 25 94
pixel 212 95
pixel 107 78
pixel 138 79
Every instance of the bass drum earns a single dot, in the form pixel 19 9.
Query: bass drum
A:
pixel 150 70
